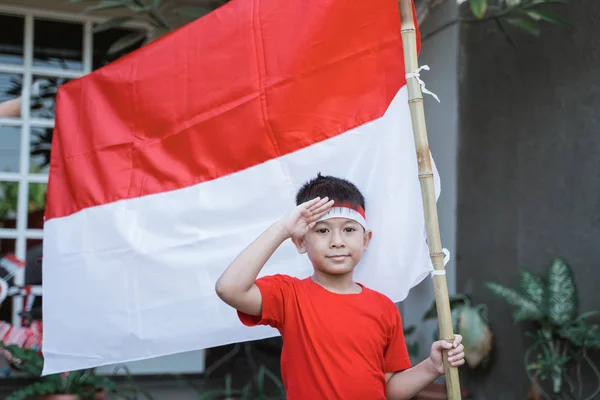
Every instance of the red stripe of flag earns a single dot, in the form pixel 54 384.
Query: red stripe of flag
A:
pixel 187 109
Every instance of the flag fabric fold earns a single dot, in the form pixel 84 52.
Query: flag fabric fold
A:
pixel 168 162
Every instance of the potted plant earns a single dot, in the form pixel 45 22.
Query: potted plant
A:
pixel 562 338
pixel 470 321
pixel 255 389
pixel 76 385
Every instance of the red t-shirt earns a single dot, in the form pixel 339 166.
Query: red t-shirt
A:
pixel 335 346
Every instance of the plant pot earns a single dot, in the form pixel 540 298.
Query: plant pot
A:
pixel 97 396
pixel 100 396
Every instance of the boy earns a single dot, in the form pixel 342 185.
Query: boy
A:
pixel 341 340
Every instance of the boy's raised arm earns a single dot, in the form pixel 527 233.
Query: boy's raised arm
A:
pixel 236 285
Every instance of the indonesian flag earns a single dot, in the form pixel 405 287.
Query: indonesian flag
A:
pixel 170 161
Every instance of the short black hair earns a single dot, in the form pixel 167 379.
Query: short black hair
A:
pixel 336 189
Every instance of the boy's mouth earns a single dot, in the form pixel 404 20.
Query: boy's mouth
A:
pixel 338 257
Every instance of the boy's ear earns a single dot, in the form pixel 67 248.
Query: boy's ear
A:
pixel 368 236
pixel 300 245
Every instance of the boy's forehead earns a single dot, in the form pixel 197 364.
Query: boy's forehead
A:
pixel 336 220
pixel 344 212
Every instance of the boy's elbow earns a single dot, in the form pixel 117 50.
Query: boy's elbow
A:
pixel 227 292
pixel 221 290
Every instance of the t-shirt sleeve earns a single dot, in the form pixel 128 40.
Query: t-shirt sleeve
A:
pixel 276 291
pixel 396 354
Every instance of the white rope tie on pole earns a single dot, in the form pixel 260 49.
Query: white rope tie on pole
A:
pixel 417 76
pixel 446 256
pixel 436 272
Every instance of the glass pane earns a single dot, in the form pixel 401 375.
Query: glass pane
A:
pixel 40 141
pixel 7 272
pixel 33 271
pixel 7 246
pixel 12 36
pixel 37 204
pixel 10 95
pixel 9 192
pixel 106 42
pixel 43 96
pixel 33 277
pixel 10 148
pixel 58 44
pixel 9 264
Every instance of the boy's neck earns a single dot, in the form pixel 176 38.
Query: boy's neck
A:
pixel 341 284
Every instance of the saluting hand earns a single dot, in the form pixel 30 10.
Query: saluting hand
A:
pixel 304 217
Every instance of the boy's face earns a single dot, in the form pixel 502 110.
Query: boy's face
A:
pixel 335 246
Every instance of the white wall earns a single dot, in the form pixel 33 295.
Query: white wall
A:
pixel 183 363
pixel 440 52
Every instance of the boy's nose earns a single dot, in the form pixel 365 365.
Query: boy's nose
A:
pixel 336 240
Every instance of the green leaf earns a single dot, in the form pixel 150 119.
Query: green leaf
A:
pixel 455 301
pixel 193 12
pixel 27 360
pixel 455 314
pixel 111 23
pixel 586 315
pixel 533 3
pixel 413 349
pixel 525 24
pixel 563 302
pixel 525 309
pixel 533 287
pixel 126 41
pixel 504 32
pixel 156 3
pixel 106 5
pixel 275 380
pixel 542 16
pixel 582 335
pixel 478 8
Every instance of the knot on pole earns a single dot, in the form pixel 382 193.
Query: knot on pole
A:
pixel 417 76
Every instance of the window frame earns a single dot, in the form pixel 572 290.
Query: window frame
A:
pixel 21 234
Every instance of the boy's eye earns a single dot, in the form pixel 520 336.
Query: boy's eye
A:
pixel 322 230
pixel 350 229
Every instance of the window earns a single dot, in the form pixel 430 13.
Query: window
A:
pixel 39 52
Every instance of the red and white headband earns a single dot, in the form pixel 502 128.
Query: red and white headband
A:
pixel 348 211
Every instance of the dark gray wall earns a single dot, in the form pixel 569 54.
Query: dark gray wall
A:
pixel 529 169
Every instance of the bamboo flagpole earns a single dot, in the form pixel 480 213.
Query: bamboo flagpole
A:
pixel 417 113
